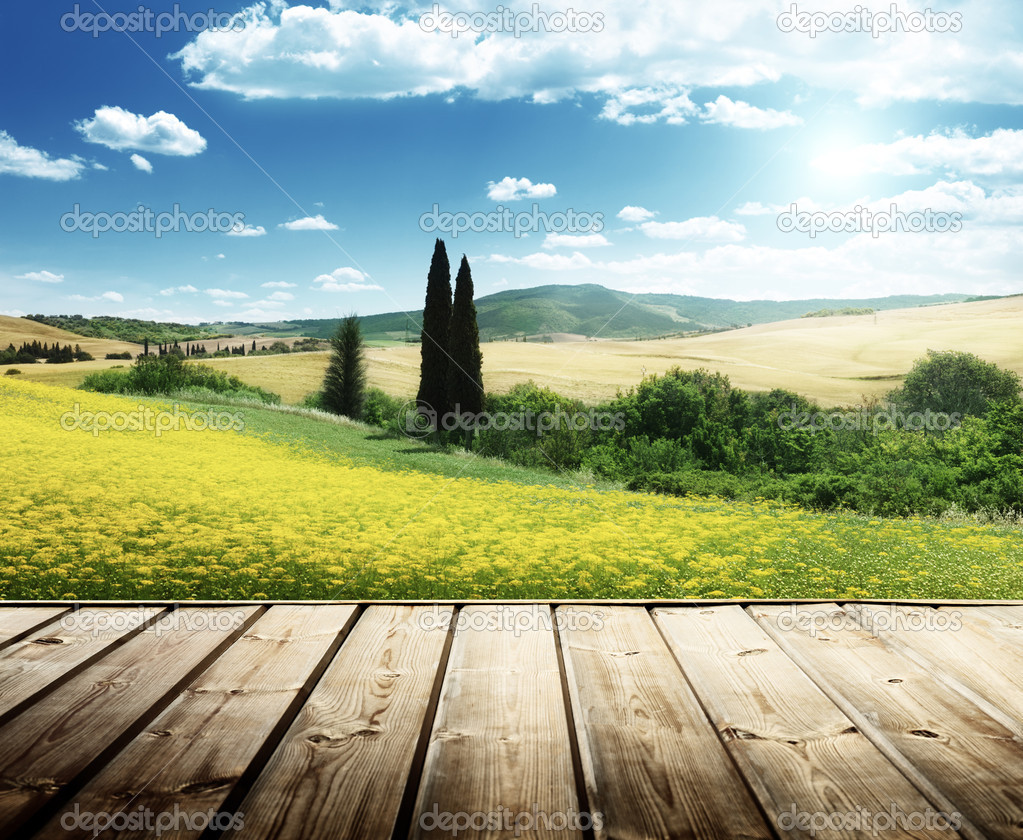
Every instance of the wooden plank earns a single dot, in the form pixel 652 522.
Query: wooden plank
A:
pixel 982 666
pixel 15 622
pixel 86 720
pixel 499 751
pixel 958 756
pixel 190 757
pixel 44 656
pixel 341 769
pixel 652 763
pixel 1004 623
pixel 798 751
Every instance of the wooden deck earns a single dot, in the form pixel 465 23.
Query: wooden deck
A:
pixel 607 720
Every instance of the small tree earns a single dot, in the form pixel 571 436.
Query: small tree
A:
pixel 954 382
pixel 436 323
pixel 344 385
pixel 465 374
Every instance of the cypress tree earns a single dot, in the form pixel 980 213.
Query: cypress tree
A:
pixel 433 371
pixel 344 385
pixel 465 377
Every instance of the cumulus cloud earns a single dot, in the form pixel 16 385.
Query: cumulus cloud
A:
pixel 281 296
pixel 116 297
pixel 278 284
pixel 515 189
pixel 42 277
pixel 316 222
pixel 247 230
pixel 998 154
pixel 32 163
pixel 563 240
pixel 635 214
pixel 344 279
pixel 179 290
pixel 701 228
pixel 226 294
pixel 641 65
pixel 724 111
pixel 121 130
pixel 141 163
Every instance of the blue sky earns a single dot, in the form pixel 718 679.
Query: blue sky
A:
pixel 682 133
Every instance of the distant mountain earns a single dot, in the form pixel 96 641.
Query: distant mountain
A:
pixel 593 310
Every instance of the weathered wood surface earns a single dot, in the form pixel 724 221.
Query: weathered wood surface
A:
pixel 584 720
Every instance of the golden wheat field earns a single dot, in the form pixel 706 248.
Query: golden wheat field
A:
pixel 201 513
pixel 835 361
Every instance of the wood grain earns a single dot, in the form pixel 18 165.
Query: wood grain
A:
pixel 653 764
pixel 500 747
pixel 341 769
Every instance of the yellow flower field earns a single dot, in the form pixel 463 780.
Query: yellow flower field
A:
pixel 224 514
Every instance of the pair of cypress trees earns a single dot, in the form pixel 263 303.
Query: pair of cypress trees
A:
pixel 451 376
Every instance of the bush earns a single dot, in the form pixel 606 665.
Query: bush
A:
pixel 382 409
pixel 124 355
pixel 11 372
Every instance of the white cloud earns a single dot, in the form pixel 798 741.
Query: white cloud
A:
pixel 121 130
pixel 316 222
pixel 515 189
pixel 701 228
pixel 224 294
pixel 562 240
pixel 13 313
pixel 669 104
pixel 116 297
pixel 345 279
pixel 724 111
pixel 42 277
pixel 141 163
pixel 998 154
pixel 635 214
pixel 184 290
pixel 282 296
pixel 646 57
pixel 221 257
pixel 278 284
pixel 247 230
pixel 32 163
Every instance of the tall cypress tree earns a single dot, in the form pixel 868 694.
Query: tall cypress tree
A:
pixel 344 385
pixel 465 367
pixel 433 371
